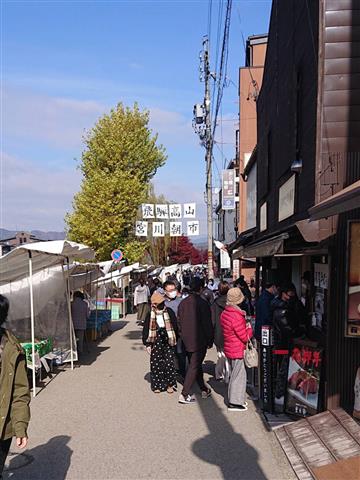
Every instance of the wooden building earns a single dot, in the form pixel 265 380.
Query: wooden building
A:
pixel 307 160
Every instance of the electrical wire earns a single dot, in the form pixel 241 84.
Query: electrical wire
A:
pixel 223 65
pixel 219 25
pixel 209 20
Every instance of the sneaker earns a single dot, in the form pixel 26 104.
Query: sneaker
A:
pixel 206 393
pixel 188 399
pixel 236 408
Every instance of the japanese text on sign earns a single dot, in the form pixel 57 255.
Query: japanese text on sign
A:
pixel 193 228
pixel 148 210
pixel 175 229
pixel 141 229
pixel 158 229
pixel 228 189
pixel 321 273
pixel 162 211
pixel 175 211
pixel 189 210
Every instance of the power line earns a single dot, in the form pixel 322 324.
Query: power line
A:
pixel 223 64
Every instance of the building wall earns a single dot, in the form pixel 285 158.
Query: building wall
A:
pixel 338 165
pixel 286 110
pixel 258 55
pixel 250 81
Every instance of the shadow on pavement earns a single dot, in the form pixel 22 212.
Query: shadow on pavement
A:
pixel 224 447
pixel 118 325
pixel 134 334
pixel 88 358
pixel 45 462
pixel 219 387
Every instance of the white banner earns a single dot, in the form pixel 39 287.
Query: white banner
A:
pixel 141 229
pixel 148 210
pixel 162 211
pixel 189 210
pixel 175 229
pixel 193 228
pixel 175 210
pixel 224 259
pixel 158 229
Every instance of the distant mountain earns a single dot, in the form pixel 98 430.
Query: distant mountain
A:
pixel 38 234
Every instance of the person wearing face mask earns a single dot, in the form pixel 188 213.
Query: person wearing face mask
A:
pixel 160 337
pixel 286 327
pixel 173 298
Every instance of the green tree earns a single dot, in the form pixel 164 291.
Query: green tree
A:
pixel 120 158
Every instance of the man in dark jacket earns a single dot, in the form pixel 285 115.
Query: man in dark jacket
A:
pixel 263 309
pixel 286 327
pixel 197 333
pixel 14 388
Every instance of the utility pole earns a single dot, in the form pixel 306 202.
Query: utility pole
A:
pixel 202 126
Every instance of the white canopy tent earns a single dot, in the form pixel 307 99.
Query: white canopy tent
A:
pixel 27 261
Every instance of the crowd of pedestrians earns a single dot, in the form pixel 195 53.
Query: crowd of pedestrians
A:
pixel 190 313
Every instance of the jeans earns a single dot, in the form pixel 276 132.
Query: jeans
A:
pixel 4 450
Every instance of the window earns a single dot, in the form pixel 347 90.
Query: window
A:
pixel 251 200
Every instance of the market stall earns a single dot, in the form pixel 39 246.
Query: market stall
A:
pixel 35 277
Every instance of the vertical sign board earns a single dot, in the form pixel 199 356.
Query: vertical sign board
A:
pixel 353 281
pixel 224 259
pixel 287 199
pixel 228 189
pixel 266 369
pixel 263 217
pixel 236 269
pixel 303 379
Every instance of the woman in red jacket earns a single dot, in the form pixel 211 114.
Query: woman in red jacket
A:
pixel 236 334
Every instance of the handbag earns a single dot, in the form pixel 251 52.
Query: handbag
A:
pixel 251 357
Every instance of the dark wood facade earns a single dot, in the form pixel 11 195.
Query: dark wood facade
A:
pixel 286 110
pixel 338 152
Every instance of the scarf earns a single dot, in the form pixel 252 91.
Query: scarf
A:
pixel 153 327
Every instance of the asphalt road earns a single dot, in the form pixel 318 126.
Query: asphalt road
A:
pixel 102 421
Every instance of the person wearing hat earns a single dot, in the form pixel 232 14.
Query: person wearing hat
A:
pixel 160 337
pixel 236 334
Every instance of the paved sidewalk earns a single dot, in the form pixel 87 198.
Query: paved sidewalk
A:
pixel 102 421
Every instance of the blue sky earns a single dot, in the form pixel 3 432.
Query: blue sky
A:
pixel 65 63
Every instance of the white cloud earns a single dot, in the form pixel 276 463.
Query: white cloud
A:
pixel 59 122
pixel 35 197
pixel 173 128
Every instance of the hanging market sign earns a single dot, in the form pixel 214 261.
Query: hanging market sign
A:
pixel 169 213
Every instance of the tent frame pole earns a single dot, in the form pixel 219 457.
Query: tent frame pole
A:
pixel 71 326
pixel 32 317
